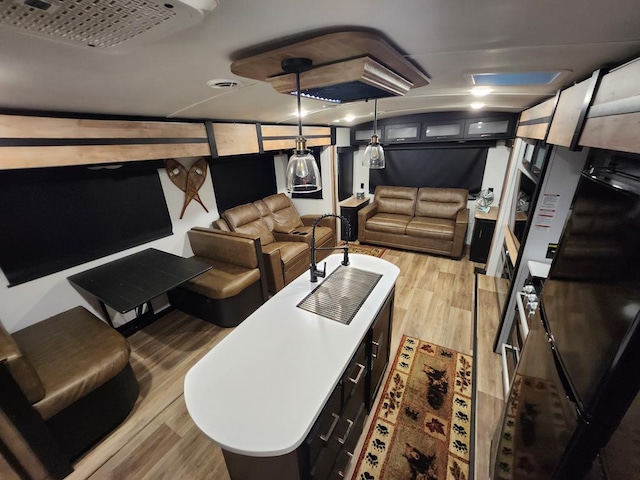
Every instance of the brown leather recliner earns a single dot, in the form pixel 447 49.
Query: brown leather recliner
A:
pixel 284 260
pixel 432 220
pixel 233 288
pixel 66 382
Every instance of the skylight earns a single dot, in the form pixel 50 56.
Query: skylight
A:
pixel 514 78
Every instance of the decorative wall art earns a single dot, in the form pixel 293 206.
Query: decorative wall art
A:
pixel 189 181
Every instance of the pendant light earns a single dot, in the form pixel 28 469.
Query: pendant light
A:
pixel 303 175
pixel 374 154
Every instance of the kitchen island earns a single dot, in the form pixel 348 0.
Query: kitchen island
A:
pixel 286 393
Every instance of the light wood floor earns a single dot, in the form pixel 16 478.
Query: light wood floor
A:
pixel 434 302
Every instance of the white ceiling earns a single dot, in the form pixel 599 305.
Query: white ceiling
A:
pixel 446 38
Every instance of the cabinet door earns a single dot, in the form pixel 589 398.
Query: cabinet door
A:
pixel 481 240
pixel 405 132
pixel 362 136
pixel 438 131
pixel 379 351
pixel 489 128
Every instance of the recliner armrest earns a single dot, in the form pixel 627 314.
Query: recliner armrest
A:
pixel 463 216
pixel 308 221
pixel 273 267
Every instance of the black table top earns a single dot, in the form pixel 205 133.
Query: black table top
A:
pixel 129 282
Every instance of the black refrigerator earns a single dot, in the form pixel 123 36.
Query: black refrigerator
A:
pixel 570 413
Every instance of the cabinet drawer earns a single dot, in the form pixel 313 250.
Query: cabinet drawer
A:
pixel 354 374
pixel 346 454
pixel 325 426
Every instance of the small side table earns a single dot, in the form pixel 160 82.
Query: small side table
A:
pixel 483 227
pixel 349 210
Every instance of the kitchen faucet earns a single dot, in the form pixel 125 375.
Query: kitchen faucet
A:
pixel 315 273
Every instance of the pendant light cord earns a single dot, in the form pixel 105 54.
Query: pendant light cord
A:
pixel 375 116
pixel 299 110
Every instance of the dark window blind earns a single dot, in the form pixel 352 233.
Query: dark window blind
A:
pixel 55 218
pixel 432 167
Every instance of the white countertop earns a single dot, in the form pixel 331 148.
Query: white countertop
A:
pixel 259 391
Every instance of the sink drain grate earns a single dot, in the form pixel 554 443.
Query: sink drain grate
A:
pixel 341 294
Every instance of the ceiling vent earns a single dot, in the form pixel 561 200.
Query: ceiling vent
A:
pixel 107 25
pixel 347 66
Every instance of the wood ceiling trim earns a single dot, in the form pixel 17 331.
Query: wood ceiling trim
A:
pixel 327 49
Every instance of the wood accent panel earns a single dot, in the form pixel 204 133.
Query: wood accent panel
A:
pixel 613 132
pixel 354 202
pixel 235 138
pixel 537 131
pixel 492 214
pixel 19 126
pixel 513 245
pixel 621 83
pixel 544 109
pixel 38 157
pixel 289 143
pixel 330 48
pixel 359 69
pixel 292 131
pixel 282 137
pixel 567 114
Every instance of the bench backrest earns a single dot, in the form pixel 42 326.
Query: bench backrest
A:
pixel 397 200
pixel 441 202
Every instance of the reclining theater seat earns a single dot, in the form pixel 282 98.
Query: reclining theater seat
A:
pixel 70 380
pixel 432 220
pixel 284 261
pixel 287 225
pixel 234 287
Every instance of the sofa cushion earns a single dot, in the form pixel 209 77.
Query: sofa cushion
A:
pixel 282 210
pixel 398 200
pixel 427 227
pixel 389 223
pixel 227 247
pixel 440 202
pixel 247 219
pixel 73 353
pixel 224 280
pixel 288 250
pixel 220 224
pixel 21 369
pixel 266 214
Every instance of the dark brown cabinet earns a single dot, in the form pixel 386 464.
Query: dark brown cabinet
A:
pixel 349 210
pixel 483 227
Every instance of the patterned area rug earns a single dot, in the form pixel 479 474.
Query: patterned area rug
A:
pixel 366 249
pixel 422 426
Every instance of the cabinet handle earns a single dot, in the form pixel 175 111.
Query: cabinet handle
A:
pixel 327 436
pixel 377 345
pixel 357 379
pixel 346 434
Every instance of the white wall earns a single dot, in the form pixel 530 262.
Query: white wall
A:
pixel 34 301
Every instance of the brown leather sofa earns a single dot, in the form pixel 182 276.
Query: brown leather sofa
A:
pixel 285 236
pixel 235 286
pixel 431 220
pixel 65 383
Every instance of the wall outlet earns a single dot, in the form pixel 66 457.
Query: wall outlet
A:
pixel 551 250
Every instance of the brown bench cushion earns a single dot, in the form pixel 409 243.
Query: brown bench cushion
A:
pixel 73 353
pixel 224 280
pixel 426 227
pixel 288 250
pixel 247 219
pixel 397 200
pixel 440 202
pixel 389 223
pixel 283 211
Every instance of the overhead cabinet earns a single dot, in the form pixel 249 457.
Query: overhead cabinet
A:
pixel 429 128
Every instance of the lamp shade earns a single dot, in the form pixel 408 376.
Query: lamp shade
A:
pixel 374 154
pixel 303 175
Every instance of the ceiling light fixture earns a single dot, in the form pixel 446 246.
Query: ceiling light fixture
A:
pixel 349 118
pixel 303 175
pixel 481 91
pixel 374 154
pixel 477 105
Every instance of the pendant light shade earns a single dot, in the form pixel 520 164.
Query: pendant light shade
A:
pixel 303 175
pixel 374 154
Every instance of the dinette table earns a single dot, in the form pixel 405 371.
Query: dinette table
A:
pixel 131 282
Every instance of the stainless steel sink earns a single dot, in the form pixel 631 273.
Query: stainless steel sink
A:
pixel 341 294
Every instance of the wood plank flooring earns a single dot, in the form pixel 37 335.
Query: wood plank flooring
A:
pixel 434 302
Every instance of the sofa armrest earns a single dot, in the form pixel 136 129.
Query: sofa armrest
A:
pixel 291 237
pixel 363 215
pixel 460 233
pixel 274 271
